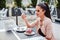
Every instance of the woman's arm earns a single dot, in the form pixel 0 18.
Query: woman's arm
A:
pixel 27 22
pixel 48 30
pixel 31 24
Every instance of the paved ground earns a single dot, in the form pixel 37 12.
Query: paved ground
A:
pixel 56 30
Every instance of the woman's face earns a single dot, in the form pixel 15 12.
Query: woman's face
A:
pixel 39 11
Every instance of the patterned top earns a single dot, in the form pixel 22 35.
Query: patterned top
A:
pixel 47 28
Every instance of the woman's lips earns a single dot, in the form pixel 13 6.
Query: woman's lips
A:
pixel 37 14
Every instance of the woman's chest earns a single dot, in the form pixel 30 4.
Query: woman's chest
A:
pixel 44 27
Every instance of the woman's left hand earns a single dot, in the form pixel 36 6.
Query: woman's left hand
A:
pixel 23 16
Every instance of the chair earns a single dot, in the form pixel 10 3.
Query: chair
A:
pixel 3 9
pixel 3 13
pixel 16 11
pixel 30 11
pixel 53 12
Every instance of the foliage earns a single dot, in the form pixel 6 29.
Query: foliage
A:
pixel 34 2
pixel 2 4
pixel 58 4
pixel 47 1
pixel 18 2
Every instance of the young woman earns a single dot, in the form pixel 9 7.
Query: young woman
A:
pixel 43 20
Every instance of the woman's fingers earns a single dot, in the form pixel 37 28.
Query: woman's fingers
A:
pixel 23 16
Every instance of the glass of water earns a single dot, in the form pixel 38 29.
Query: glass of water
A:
pixel 8 25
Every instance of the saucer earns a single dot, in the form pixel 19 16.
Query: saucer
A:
pixel 29 34
pixel 21 29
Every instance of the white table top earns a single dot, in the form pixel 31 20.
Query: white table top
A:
pixel 2 24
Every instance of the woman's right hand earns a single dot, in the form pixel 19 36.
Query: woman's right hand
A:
pixel 23 16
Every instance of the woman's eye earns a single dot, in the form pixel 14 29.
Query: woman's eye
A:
pixel 37 10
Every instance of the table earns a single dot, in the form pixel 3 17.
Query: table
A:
pixel 4 35
pixel 22 36
pixel 7 36
pixel 12 34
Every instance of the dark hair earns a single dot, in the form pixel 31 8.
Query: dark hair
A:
pixel 45 7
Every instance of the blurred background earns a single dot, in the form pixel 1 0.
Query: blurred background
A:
pixel 14 8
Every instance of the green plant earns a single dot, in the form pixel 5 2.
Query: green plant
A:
pixel 2 4
pixel 34 2
pixel 23 7
pixel 28 6
pixel 18 2
pixel 58 4
pixel 47 1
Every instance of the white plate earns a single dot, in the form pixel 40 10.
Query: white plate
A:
pixel 29 34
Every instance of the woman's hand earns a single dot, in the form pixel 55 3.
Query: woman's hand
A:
pixel 23 16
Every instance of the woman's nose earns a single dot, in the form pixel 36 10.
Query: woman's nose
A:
pixel 36 12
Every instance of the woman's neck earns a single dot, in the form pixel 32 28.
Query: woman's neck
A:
pixel 42 18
